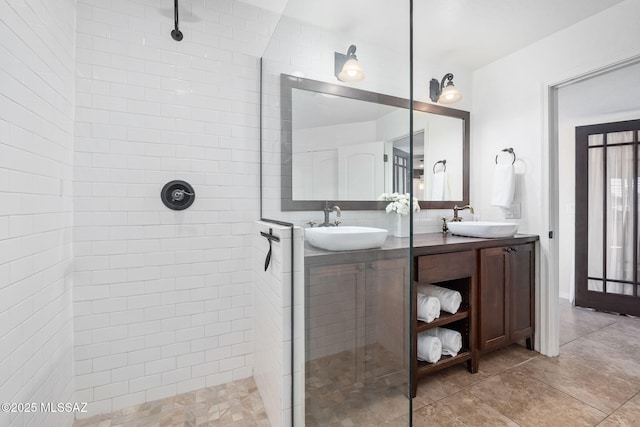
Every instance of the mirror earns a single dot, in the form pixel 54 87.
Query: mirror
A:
pixel 348 146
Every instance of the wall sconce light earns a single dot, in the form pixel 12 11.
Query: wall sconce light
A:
pixel 442 94
pixel 346 67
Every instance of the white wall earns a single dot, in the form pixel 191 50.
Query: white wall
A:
pixel 162 298
pixel 514 117
pixel 36 153
pixel 509 99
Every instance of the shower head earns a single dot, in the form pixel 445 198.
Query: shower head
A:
pixel 176 34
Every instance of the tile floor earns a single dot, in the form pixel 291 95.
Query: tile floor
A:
pixel 594 382
pixel 236 404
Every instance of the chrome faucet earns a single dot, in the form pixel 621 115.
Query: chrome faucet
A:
pixel 327 211
pixel 456 218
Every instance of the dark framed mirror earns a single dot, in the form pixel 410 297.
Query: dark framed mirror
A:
pixel 347 146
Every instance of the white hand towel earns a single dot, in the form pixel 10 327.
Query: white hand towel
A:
pixel 450 300
pixel 504 185
pixel 429 348
pixel 451 340
pixel 440 186
pixel 428 308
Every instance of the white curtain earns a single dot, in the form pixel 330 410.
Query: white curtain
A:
pixel 620 213
pixel 620 210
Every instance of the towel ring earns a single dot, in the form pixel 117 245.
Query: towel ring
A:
pixel 510 151
pixel 444 165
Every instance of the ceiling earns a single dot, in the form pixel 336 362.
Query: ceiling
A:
pixel 467 33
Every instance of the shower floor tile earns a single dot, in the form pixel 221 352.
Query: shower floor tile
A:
pixel 235 404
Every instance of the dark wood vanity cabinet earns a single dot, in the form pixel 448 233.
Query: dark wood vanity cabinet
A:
pixel 506 296
pixel 358 304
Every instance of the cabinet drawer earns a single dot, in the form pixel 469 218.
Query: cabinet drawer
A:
pixel 443 267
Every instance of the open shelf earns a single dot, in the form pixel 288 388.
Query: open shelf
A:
pixel 445 270
pixel 446 361
pixel 444 319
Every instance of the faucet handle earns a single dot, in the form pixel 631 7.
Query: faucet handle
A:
pixel 337 223
pixel 311 223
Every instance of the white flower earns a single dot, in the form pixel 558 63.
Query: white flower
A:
pixel 399 203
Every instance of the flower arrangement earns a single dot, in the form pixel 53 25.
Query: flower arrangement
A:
pixel 399 203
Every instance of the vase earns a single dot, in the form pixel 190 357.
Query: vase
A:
pixel 402 226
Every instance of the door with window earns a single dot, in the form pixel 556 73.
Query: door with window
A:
pixel 607 242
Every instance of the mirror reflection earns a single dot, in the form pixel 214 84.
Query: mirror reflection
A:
pixel 352 145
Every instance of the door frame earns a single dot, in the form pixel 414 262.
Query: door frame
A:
pixel 547 340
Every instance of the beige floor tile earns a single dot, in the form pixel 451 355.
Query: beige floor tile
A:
pixel 234 404
pixel 603 391
pixel 603 357
pixel 530 402
pixel 628 415
pixel 506 358
pixel 460 409
pixel 446 382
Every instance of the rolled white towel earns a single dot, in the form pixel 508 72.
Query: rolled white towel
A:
pixel 451 340
pixel 428 308
pixel 449 299
pixel 429 348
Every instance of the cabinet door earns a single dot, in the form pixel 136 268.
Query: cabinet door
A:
pixel 493 298
pixel 388 308
pixel 334 324
pixel 521 291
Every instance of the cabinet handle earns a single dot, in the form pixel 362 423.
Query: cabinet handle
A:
pixel 514 249
pixel 508 249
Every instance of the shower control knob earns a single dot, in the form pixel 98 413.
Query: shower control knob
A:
pixel 177 195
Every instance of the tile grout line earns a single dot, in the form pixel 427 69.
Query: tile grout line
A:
pixel 618 408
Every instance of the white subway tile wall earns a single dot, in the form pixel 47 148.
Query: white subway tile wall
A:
pixel 163 299
pixel 273 339
pixel 36 155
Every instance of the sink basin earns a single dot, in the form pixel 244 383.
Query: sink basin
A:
pixel 486 229
pixel 345 238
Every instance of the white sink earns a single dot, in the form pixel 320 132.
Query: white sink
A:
pixel 486 229
pixel 345 238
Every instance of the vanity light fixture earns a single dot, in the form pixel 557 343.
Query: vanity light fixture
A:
pixel 346 67
pixel 442 94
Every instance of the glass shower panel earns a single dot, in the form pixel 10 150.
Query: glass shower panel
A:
pixel 595 213
pixel 620 177
pixel 351 353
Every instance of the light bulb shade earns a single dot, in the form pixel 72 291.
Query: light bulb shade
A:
pixel 449 95
pixel 351 71
pixel 442 94
pixel 346 67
